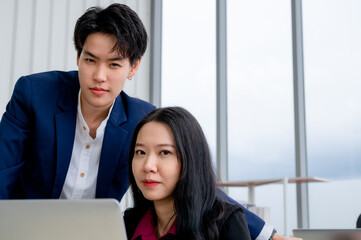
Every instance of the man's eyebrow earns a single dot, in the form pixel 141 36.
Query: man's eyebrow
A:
pixel 90 54
pixel 116 58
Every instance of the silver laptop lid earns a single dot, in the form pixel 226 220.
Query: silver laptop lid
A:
pixel 61 219
pixel 328 234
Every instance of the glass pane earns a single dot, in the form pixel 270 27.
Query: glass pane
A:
pixel 260 101
pixel 332 51
pixel 188 61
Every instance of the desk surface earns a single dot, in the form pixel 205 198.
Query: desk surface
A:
pixel 248 183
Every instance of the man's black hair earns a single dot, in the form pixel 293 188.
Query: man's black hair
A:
pixel 117 20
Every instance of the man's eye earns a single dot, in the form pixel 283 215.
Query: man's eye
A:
pixel 114 65
pixel 89 60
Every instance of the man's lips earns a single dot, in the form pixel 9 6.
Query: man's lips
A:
pixel 150 183
pixel 98 91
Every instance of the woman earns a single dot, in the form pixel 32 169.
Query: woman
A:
pixel 174 185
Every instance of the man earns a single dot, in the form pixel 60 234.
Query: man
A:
pixel 67 134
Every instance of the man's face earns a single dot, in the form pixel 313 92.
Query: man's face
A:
pixel 102 72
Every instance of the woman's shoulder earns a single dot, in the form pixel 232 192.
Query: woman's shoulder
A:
pixel 132 217
pixel 233 224
pixel 231 209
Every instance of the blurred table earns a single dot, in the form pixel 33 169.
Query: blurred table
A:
pixel 251 184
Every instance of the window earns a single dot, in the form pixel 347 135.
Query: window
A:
pixel 260 100
pixel 188 61
pixel 260 97
pixel 332 54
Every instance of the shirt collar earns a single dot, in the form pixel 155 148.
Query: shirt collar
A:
pixel 146 228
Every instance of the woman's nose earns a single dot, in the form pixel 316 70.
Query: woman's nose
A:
pixel 150 164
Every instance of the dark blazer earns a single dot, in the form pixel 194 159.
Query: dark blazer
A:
pixel 37 134
pixel 232 226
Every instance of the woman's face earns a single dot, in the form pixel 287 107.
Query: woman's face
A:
pixel 155 165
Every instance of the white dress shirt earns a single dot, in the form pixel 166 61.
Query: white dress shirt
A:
pixel 81 179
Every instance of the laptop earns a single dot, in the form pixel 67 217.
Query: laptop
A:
pixel 61 220
pixel 328 234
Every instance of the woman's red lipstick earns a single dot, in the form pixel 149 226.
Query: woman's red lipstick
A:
pixel 150 183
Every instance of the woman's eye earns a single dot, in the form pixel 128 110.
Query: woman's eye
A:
pixel 139 152
pixel 165 152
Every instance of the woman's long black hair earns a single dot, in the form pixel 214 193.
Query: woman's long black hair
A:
pixel 195 197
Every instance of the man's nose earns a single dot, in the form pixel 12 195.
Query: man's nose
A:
pixel 101 73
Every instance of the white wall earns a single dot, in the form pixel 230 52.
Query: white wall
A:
pixel 37 35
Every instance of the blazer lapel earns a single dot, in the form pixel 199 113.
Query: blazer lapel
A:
pixel 113 143
pixel 65 123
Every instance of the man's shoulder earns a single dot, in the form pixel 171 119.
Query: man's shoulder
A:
pixel 135 106
pixel 134 100
pixel 69 77
pixel 47 85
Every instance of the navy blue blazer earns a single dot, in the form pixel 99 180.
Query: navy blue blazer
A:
pixel 37 134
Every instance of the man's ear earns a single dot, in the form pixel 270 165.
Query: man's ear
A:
pixel 134 68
